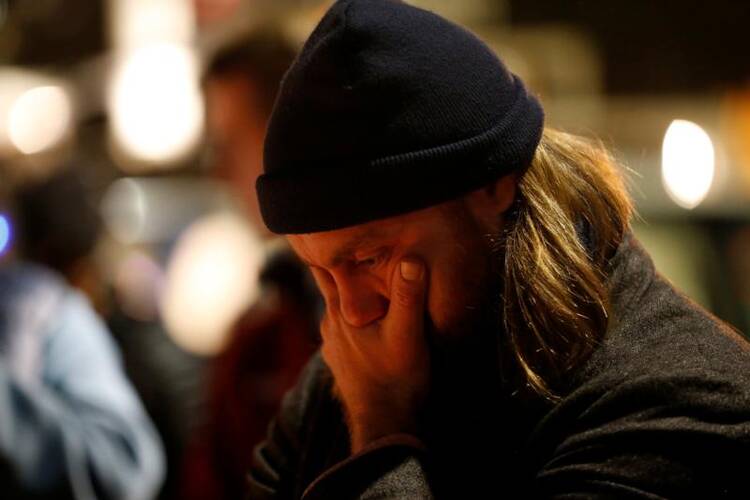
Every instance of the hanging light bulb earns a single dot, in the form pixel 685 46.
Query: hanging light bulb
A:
pixel 687 163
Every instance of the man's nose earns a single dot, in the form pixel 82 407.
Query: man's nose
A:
pixel 360 305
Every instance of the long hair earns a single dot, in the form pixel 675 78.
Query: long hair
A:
pixel 570 214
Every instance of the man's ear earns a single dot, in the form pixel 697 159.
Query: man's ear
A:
pixel 489 203
pixel 502 192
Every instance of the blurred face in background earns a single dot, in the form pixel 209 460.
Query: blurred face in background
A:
pixel 236 122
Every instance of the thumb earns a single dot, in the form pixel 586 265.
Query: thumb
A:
pixel 406 310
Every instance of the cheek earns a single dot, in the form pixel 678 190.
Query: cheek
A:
pixel 455 294
pixel 445 301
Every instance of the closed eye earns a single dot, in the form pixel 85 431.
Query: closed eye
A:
pixel 370 260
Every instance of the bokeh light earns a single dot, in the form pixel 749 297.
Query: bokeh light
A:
pixel 39 119
pixel 137 282
pixel 124 210
pixel 147 22
pixel 687 163
pixel 211 278
pixel 156 105
pixel 5 233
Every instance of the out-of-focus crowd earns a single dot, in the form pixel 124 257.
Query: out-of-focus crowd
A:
pixel 97 400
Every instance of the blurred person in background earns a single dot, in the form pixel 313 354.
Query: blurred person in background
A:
pixel 240 85
pixel 71 425
pixel 273 339
pixel 492 327
pixel 58 228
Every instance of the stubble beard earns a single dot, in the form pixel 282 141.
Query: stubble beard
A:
pixel 465 356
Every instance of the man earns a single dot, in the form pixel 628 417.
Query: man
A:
pixel 492 328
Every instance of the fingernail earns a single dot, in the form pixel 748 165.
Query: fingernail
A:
pixel 411 271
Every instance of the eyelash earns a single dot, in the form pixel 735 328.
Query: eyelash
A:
pixel 369 261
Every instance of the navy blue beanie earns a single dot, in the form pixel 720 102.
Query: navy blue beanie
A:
pixel 388 109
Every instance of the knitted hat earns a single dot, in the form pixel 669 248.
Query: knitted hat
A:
pixel 389 109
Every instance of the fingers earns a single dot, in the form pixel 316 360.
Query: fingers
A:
pixel 406 310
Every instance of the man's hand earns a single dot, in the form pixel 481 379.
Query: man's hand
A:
pixel 382 370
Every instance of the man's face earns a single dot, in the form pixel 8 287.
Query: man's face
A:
pixel 358 264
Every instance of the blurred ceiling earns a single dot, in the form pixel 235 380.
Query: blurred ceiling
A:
pixel 669 46
pixel 51 32
pixel 647 46
pixel 622 70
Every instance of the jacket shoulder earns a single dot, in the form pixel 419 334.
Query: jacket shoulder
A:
pixel 301 438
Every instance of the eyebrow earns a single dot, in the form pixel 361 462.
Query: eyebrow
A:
pixel 348 248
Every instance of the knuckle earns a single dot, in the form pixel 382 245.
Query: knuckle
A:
pixel 405 297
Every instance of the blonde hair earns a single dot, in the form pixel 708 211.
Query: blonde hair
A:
pixel 570 214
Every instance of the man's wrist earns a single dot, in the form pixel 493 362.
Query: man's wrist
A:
pixel 364 431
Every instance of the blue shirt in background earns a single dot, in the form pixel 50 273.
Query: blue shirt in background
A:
pixel 69 418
